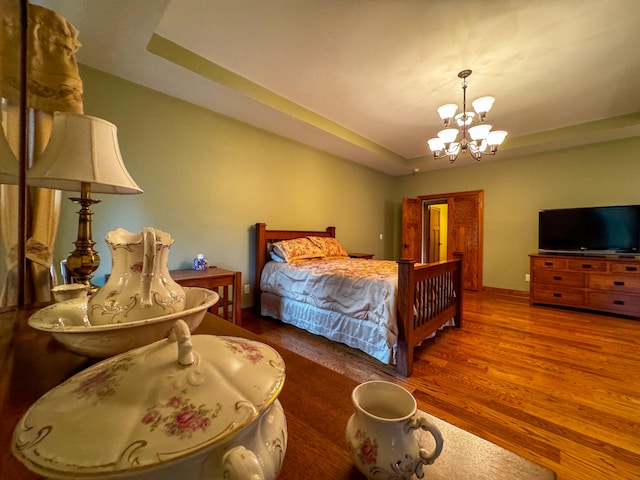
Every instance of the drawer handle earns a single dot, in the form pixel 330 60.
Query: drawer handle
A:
pixel 618 283
pixel 586 265
pixel 618 302
pixel 557 277
pixel 557 295
pixel 631 269
pixel 548 264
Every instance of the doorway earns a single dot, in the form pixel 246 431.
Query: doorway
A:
pixel 464 231
pixel 434 235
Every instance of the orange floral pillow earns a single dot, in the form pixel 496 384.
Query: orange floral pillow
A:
pixel 329 246
pixel 297 249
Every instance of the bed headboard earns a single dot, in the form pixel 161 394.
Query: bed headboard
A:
pixel 264 239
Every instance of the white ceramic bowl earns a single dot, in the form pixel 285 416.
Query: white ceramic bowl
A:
pixel 69 324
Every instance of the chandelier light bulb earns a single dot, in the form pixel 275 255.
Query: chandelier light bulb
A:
pixel 464 118
pixel 447 112
pixel 476 149
pixel 453 150
pixel 482 105
pixel 480 132
pixel 448 135
pixel 496 137
pixel 436 144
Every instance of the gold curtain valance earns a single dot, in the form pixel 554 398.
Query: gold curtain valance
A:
pixel 53 80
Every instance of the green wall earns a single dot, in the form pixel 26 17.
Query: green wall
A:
pixel 515 189
pixel 207 179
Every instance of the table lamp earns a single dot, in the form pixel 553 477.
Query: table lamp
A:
pixel 82 155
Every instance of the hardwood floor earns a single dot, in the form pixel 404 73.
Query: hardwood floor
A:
pixel 558 387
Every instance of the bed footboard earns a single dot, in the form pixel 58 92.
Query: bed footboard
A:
pixel 429 296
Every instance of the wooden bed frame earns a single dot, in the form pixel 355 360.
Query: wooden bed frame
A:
pixel 420 311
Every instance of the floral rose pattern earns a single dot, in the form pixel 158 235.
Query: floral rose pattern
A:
pixel 136 267
pixel 366 449
pixel 249 351
pixel 179 417
pixel 102 383
pixel 113 293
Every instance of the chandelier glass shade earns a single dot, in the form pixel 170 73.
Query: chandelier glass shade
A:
pixel 477 138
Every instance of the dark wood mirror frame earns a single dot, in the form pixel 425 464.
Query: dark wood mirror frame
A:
pixel 9 315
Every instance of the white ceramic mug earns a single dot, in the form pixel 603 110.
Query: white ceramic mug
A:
pixel 69 291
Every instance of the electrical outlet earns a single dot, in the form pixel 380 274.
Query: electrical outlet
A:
pixel 247 288
pixel 380 236
pixel 527 277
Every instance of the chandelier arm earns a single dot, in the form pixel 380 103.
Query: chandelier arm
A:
pixel 444 153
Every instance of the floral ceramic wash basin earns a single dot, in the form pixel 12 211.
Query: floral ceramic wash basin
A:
pixel 199 407
pixel 70 325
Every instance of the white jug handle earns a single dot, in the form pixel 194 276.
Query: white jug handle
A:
pixel 148 262
pixel 240 463
pixel 425 456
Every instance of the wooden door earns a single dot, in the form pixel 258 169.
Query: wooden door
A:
pixel 464 231
pixel 465 235
pixel 434 234
pixel 412 229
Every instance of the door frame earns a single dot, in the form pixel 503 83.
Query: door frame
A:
pixel 479 194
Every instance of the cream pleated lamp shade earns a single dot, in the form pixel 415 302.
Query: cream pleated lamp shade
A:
pixel 82 149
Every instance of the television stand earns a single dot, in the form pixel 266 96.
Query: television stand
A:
pixel 604 283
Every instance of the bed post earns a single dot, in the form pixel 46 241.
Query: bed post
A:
pixel 457 319
pixel 261 258
pixel 404 352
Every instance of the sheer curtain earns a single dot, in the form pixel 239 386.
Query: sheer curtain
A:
pixel 53 84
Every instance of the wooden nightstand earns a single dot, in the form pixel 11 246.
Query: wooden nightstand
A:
pixel 219 280
pixel 367 256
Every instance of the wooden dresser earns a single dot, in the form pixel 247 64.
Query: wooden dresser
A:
pixel 607 283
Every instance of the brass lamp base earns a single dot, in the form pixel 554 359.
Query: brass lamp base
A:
pixel 84 260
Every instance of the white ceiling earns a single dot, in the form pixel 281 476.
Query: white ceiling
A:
pixel 362 78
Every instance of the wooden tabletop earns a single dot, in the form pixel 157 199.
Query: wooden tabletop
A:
pixel 316 400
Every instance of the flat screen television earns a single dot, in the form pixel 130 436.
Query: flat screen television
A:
pixel 593 230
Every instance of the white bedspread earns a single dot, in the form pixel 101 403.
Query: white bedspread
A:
pixel 364 290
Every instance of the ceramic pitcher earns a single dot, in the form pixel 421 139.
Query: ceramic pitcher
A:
pixel 140 286
pixel 382 433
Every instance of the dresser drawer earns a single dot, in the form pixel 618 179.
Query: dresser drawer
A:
pixel 557 263
pixel 586 265
pixel 558 296
pixel 621 267
pixel 565 279
pixel 622 303
pixel 618 283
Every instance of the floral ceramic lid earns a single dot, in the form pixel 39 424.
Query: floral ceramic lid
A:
pixel 148 406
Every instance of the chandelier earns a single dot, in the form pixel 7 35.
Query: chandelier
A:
pixel 446 144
